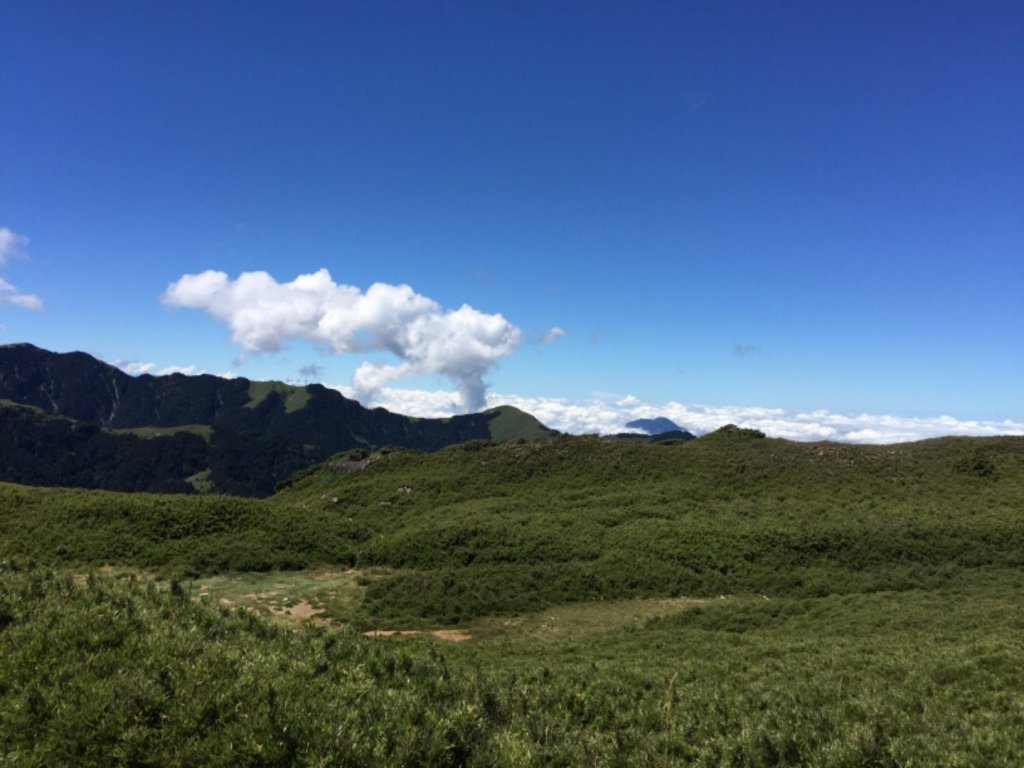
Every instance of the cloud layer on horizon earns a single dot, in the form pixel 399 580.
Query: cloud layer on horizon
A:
pixel 135 368
pixel 461 344
pixel 610 415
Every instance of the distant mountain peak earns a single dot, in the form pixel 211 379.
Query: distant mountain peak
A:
pixel 655 426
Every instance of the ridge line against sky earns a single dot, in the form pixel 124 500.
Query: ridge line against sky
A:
pixel 606 414
pixel 817 210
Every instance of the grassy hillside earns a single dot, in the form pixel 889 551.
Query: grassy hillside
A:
pixel 483 529
pixel 295 398
pixel 732 600
pixel 508 423
pixel 204 431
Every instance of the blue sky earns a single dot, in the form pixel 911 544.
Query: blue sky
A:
pixel 803 216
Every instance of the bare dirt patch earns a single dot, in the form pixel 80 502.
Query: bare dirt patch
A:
pixel 452 635
pixel 301 610
pixel 449 635
pixel 391 632
pixel 262 596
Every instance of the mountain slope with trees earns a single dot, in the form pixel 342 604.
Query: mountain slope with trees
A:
pixel 70 419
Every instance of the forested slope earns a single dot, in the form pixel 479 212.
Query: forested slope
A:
pixel 72 420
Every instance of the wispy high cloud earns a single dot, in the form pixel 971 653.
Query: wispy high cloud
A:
pixel 11 295
pixel 742 350
pixel 609 415
pixel 462 344
pixel 311 372
pixel 552 335
pixel 11 246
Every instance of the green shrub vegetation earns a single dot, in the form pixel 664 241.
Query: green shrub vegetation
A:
pixel 848 606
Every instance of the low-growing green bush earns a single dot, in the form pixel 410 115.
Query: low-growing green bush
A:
pixel 117 671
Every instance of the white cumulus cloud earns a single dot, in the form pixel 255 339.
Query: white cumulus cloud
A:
pixel 461 344
pixel 426 404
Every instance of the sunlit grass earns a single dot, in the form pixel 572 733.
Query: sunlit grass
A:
pixel 327 594
pixel 202 430
pixel 295 398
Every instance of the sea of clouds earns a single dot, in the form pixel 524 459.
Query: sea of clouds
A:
pixel 609 415
pixel 606 415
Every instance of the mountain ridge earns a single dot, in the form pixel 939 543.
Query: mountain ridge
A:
pixel 259 432
pixel 656 426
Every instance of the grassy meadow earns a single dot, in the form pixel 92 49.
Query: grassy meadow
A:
pixel 733 600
